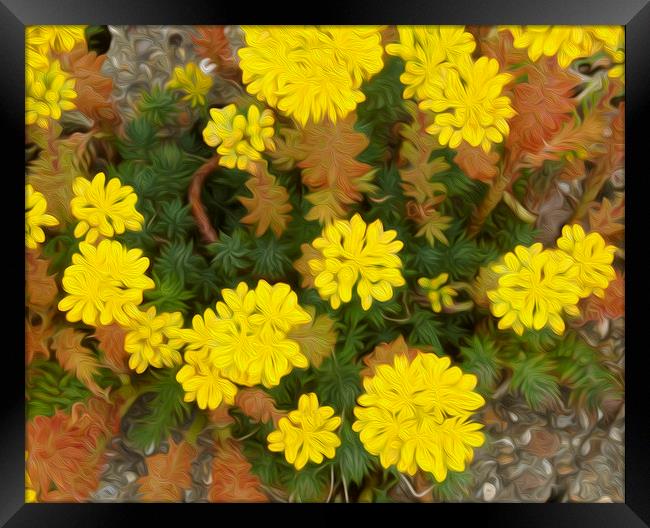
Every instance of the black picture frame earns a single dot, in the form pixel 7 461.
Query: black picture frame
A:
pixel 634 14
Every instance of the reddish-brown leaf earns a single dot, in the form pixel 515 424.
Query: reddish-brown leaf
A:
pixel 476 163
pixel 385 353
pixel 168 474
pixel 258 405
pixel 612 306
pixel 232 479
pixel 212 43
pixel 37 338
pixel 41 287
pixel 221 416
pixel 608 218
pixel 111 343
pixel 66 452
pixel 78 359
pixel 302 264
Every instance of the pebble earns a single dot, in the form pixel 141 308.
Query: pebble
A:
pixel 616 434
pixel 130 476
pixel 586 447
pixel 525 438
pixel 489 491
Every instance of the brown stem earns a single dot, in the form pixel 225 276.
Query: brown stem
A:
pixel 491 200
pixel 194 197
pixel 591 192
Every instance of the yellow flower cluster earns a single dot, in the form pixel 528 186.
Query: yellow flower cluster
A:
pixel 569 43
pixel 244 342
pixel 30 492
pixel 416 414
pixel 465 95
pixel 41 42
pixel 35 217
pixel 240 139
pixel 149 339
pixel 193 81
pixel 536 286
pixel 353 252
pixel 102 282
pixel 437 293
pixel 49 91
pixel 104 209
pixel 307 434
pixel 310 73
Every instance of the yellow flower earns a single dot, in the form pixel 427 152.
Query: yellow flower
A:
pixel 57 38
pixel 415 413
pixel 104 210
pixel 246 339
pixel 239 140
pixel 424 49
pixel 534 287
pixel 310 73
pixel 148 339
pixel 36 58
pixel 48 92
pixel 102 281
pixel 193 82
pixel 438 294
pixel 567 42
pixel 307 434
pixel 613 39
pixel 591 257
pixel 353 252
pixel 469 105
pixel 202 382
pixel 30 492
pixel 35 217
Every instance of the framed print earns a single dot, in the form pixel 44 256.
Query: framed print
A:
pixel 379 258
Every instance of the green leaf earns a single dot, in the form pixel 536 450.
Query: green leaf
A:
pixel 351 457
pixel 338 384
pixel 533 378
pixel 231 253
pixel 480 357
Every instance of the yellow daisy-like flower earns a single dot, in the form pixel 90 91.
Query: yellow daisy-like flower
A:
pixel 102 281
pixel 415 413
pixel 203 382
pixel 30 492
pixel 310 73
pixel 591 257
pixel 57 38
pixel 246 339
pixel 36 58
pixel 354 252
pixel 35 217
pixel 48 92
pixel 424 49
pixel 568 43
pixel 534 287
pixel 104 209
pixel 438 294
pixel 469 105
pixel 613 39
pixel 240 140
pixel 307 434
pixel 193 81
pixel 149 339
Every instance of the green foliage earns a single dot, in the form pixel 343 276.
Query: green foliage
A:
pixel 338 384
pixel 271 258
pixel 481 357
pixel 533 378
pixel 49 387
pixel 353 461
pixel 174 220
pixel 168 295
pixel 454 488
pixel 59 250
pixel 158 107
pixel 308 484
pixel 164 409
pixel 231 253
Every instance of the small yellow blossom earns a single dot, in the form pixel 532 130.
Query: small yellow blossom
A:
pixel 592 258
pixel 57 38
pixel 424 49
pixel 438 294
pixel 203 382
pixel 104 209
pixel 48 91
pixel 534 287
pixel 310 73
pixel 469 106
pixel 30 492
pixel 193 81
pixel 415 414
pixel 102 281
pixel 35 217
pixel 239 140
pixel 353 252
pixel 613 39
pixel 307 434
pixel 149 339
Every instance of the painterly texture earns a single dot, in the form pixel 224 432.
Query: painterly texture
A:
pixel 325 264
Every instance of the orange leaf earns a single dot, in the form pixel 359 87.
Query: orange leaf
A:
pixel 302 264
pixel 212 43
pixel 111 343
pixel 258 405
pixel 476 163
pixel 66 452
pixel 232 479
pixel 269 205
pixel 168 474
pixel 41 287
pixel 385 353
pixel 608 218
pixel 317 338
pixel 37 338
pixel 220 416
pixel 78 359
pixel 612 306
